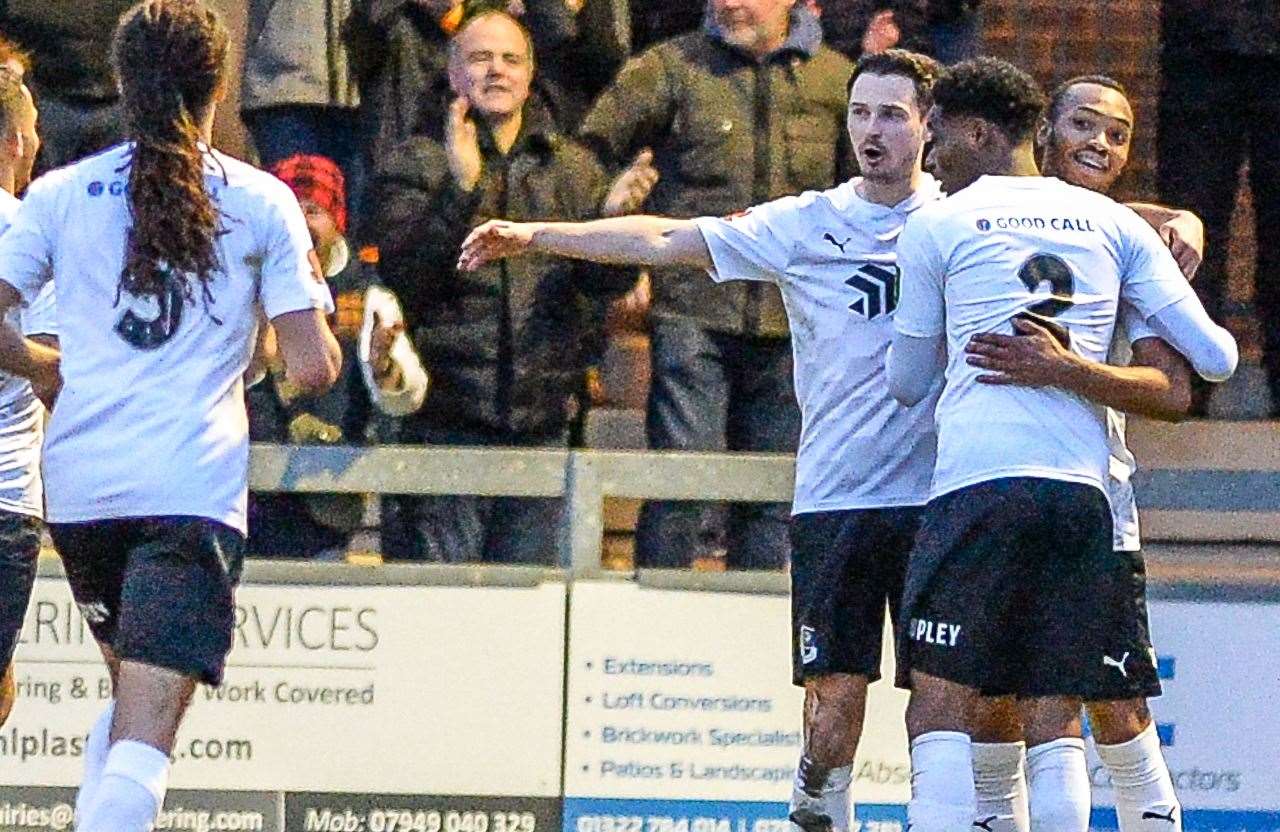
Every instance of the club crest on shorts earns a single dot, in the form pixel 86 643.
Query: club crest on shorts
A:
pixel 808 645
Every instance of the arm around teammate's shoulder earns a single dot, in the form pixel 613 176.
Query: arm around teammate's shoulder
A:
pixel 1211 349
pixel 1153 283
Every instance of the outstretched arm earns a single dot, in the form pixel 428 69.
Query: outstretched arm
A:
pixel 1157 384
pixel 620 241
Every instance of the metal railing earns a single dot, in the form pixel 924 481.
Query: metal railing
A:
pixel 582 478
pixel 585 478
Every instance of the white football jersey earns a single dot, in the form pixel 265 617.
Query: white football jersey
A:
pixel 21 414
pixel 1010 245
pixel 832 254
pixel 151 418
pixel 1130 328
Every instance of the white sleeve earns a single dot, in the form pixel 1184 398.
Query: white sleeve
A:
pixel 40 317
pixel 381 305
pixel 1187 328
pixel 1150 278
pixel 753 245
pixel 914 366
pixel 921 309
pixel 1152 283
pixel 291 279
pixel 26 248
pixel 1133 326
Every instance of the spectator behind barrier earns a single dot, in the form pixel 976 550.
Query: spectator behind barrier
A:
pixel 298 94
pixel 750 108
pixel 379 370
pixel 946 29
pixel 79 100
pixel 1225 58
pixel 503 344
pixel 14 58
pixel 593 42
pixel 399 51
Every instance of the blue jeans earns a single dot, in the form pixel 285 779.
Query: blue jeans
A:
pixel 713 391
pixel 281 132
pixel 470 529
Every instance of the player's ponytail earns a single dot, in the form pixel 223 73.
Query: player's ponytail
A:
pixel 170 57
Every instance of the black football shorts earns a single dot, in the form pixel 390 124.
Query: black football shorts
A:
pixel 1014 588
pixel 156 590
pixel 845 567
pixel 19 551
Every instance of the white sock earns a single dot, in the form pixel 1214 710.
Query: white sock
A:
pixel 1145 800
pixel 818 794
pixel 96 749
pixel 1001 786
pixel 1058 782
pixel 942 793
pixel 131 790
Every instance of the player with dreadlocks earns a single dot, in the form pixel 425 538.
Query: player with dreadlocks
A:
pixel 165 254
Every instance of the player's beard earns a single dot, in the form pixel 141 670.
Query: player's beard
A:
pixel 1062 166
pixel 889 171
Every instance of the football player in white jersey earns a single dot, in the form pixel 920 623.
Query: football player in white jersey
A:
pixel 1086 140
pixel 1014 586
pixel 163 253
pixel 864 461
pixel 21 414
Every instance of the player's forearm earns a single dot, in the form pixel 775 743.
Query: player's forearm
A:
pixel 1143 391
pixel 1155 215
pixel 24 357
pixel 625 241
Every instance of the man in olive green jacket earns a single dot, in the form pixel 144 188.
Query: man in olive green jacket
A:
pixel 748 109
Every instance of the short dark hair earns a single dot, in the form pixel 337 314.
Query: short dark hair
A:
pixel 992 90
pixel 921 70
pixel 1059 95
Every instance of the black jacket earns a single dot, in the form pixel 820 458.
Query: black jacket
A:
pixel 70 41
pixel 1193 28
pixel 727 132
pixel 503 345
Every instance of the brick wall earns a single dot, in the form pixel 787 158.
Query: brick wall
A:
pixel 1121 38
pixel 1056 40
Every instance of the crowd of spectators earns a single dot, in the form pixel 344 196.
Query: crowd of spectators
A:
pixel 401 124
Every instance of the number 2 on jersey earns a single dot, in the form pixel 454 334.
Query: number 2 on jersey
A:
pixel 1048 268
pixel 1051 269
